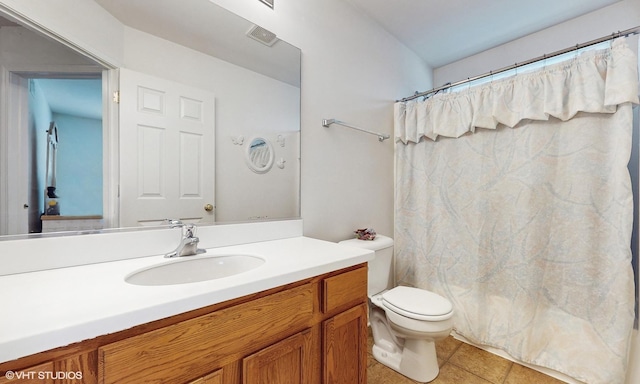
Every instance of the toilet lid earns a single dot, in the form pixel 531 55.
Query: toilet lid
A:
pixel 417 304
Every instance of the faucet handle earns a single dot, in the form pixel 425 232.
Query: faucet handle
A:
pixel 173 223
pixel 189 230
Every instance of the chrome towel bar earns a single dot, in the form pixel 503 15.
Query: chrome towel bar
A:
pixel 327 122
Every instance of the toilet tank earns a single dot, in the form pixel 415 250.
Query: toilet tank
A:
pixel 380 273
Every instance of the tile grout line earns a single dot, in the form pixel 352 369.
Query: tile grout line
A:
pixel 508 372
pixel 473 373
pixel 452 353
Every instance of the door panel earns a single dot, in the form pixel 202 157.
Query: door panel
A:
pixel 345 341
pixel 167 151
pixel 286 362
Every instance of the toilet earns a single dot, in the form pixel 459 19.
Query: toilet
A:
pixel 405 321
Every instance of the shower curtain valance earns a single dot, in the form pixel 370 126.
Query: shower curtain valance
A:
pixel 600 76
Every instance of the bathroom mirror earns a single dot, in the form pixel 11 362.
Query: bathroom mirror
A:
pixel 166 39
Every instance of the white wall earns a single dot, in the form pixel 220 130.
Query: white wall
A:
pixel 83 23
pixel 352 70
pixel 616 17
pixel 22 49
pixel 79 165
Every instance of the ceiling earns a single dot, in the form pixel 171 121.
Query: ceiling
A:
pixel 439 31
pixel 444 31
pixel 75 97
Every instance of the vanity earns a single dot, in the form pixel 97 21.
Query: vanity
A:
pixel 300 317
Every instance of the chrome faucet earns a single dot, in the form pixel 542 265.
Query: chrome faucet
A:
pixel 189 241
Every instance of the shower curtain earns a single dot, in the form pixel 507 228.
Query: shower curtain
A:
pixel 525 224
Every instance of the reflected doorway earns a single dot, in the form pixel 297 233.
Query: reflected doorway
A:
pixel 54 117
pixel 42 82
pixel 64 146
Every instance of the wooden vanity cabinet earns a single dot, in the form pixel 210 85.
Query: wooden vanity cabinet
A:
pixel 345 334
pixel 212 378
pixel 344 347
pixel 309 332
pixel 29 375
pixel 287 361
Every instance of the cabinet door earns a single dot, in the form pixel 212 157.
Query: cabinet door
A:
pixel 286 362
pixel 212 378
pixel 345 347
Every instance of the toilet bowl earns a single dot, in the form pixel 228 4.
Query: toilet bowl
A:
pixel 405 321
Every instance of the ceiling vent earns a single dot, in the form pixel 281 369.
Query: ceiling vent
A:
pixel 262 35
pixel 268 3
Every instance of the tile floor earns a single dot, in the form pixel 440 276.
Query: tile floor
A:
pixel 461 363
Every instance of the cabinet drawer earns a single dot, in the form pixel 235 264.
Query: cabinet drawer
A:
pixel 194 347
pixel 347 288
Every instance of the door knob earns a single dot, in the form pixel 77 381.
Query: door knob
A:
pixel 208 207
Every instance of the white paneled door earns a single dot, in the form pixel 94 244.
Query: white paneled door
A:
pixel 166 151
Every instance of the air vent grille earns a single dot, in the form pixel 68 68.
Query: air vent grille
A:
pixel 262 35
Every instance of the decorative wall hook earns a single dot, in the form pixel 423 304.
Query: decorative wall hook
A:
pixel 238 140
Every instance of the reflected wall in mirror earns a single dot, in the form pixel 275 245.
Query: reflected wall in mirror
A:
pixel 257 93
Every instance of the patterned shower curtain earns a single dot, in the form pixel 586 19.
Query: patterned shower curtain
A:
pixel 525 225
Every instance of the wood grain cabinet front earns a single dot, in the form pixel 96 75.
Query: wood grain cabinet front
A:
pixel 289 361
pixel 192 348
pixel 35 374
pixel 309 332
pixel 212 378
pixel 345 347
pixel 343 290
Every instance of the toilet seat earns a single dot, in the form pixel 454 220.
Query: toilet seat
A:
pixel 417 304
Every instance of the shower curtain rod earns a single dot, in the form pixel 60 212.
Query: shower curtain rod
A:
pixel 627 32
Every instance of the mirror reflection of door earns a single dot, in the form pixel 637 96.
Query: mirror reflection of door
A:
pixel 167 151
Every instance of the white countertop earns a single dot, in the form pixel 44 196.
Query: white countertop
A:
pixel 48 309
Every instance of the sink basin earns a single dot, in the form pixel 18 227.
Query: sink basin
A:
pixel 190 270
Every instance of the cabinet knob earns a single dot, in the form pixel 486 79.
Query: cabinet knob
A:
pixel 208 207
